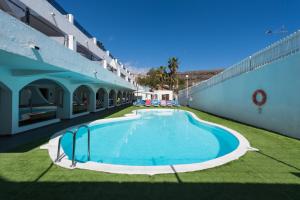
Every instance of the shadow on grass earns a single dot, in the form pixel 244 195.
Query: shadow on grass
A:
pixel 39 136
pixel 44 172
pixel 143 190
pixel 296 174
pixel 277 160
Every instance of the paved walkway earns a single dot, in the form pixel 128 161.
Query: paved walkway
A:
pixel 42 135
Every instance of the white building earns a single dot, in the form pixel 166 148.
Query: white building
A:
pixel 163 95
pixel 51 68
pixel 145 93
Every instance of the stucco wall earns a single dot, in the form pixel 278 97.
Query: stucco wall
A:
pixel 233 98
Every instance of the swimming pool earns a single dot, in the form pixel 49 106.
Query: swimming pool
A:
pixel 152 138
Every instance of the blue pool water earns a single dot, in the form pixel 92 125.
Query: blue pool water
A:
pixel 157 138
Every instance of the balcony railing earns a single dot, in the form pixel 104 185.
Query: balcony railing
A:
pixel 63 12
pixel 281 49
pixel 58 7
pixel 76 23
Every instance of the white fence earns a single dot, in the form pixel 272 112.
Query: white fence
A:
pixel 276 51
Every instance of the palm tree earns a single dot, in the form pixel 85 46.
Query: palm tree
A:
pixel 160 76
pixel 173 65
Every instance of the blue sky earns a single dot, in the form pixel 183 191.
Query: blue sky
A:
pixel 203 34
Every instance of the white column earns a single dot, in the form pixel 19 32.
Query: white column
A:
pixel 15 111
pixel 92 101
pixel 6 111
pixel 66 111
pixel 94 40
pixel 71 42
pixel 118 71
pixel 118 67
pixel 104 62
pixel 70 18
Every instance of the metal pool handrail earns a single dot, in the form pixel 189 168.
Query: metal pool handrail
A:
pixel 59 145
pixel 74 133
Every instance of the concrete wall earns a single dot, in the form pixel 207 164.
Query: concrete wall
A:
pixel 233 97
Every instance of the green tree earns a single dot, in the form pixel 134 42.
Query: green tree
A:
pixel 173 65
pixel 162 77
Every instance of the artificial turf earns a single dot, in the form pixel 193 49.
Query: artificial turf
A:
pixel 272 173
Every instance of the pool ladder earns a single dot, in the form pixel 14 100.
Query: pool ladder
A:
pixel 74 133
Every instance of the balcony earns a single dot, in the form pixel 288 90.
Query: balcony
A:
pixel 18 38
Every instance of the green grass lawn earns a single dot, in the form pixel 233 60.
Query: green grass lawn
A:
pixel 271 173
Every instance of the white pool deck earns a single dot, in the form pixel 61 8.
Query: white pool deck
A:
pixel 52 147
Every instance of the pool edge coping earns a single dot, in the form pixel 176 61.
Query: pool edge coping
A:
pixel 242 149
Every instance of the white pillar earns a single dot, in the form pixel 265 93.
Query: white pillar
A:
pixel 118 71
pixel 6 111
pixel 104 64
pixel 66 111
pixel 92 101
pixel 94 40
pixel 15 111
pixel 71 42
pixel 70 18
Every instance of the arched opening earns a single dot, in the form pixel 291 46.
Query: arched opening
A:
pixel 39 101
pixel 112 98
pixel 101 99
pixel 5 110
pixel 119 98
pixel 124 97
pixel 81 99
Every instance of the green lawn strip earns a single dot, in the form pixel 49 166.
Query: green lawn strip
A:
pixel 271 173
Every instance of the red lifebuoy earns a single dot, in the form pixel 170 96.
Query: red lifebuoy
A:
pixel 263 99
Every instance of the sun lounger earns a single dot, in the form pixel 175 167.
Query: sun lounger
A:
pixel 163 103
pixel 37 117
pixel 169 103
pixel 148 102
pixel 79 108
pixel 155 102
pixel 139 102
pixel 175 103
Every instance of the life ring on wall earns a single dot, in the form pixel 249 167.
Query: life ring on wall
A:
pixel 262 101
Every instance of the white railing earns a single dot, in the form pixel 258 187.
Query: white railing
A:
pixel 278 50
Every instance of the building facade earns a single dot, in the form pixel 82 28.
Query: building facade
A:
pixel 51 68
pixel 145 93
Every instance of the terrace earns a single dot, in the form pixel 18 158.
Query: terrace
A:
pixel 273 172
pixel 66 79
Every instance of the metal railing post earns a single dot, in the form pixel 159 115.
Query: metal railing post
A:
pixel 73 149
pixel 58 149
pixel 74 133
pixel 89 144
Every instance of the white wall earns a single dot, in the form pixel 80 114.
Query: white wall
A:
pixel 233 97
pixel 160 93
